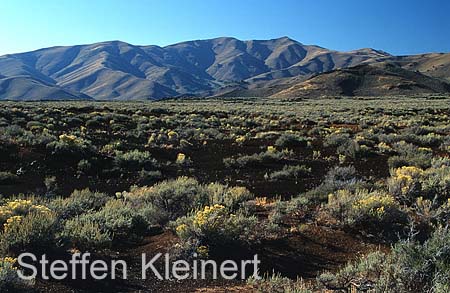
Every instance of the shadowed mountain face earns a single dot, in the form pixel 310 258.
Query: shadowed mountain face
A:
pixel 26 88
pixel 119 71
pixel 381 79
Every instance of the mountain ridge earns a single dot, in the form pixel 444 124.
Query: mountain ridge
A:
pixel 116 70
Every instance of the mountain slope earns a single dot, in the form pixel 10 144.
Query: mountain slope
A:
pixel 434 64
pixel 367 80
pixel 320 60
pixel 117 70
pixel 223 66
pixel 26 88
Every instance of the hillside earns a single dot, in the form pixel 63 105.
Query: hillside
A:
pixel 367 80
pixel 117 70
pixel 436 64
pixel 27 88
pixel 217 67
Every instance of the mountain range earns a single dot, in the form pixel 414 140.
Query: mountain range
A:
pixel 217 67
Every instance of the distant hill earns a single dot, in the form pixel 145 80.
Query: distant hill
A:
pixel 436 65
pixel 381 79
pixel 223 66
pixel 26 88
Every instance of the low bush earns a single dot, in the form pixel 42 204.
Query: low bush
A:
pixel 84 166
pixel 258 160
pixel 231 197
pixel 404 183
pixel 336 139
pixel 32 232
pixel 71 146
pixel 288 140
pixel 336 178
pixel 9 279
pixel 410 155
pixel 410 267
pixel 174 198
pixel 297 208
pixel 79 202
pixel 289 173
pixel 135 159
pixel 149 177
pixel 118 219
pixel 84 234
pixel 215 226
pixel 375 211
pixel 409 183
pixel 275 283
pixel 19 208
pixel 362 273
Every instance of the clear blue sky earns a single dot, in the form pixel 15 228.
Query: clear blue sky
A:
pixel 396 26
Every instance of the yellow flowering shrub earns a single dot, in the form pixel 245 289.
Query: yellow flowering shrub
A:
pixel 216 225
pixel 203 251
pixel 231 197
pixel 11 221
pixel 384 148
pixel 28 232
pixel 426 150
pixel 152 139
pixel 13 210
pixel 23 223
pixel 374 204
pixel 240 139
pixel 172 134
pixel 404 181
pixel 181 228
pixel 10 260
pixel 111 148
pixel 18 206
pixel 342 159
pixel 408 173
pixel 210 217
pixel 70 144
pixel 181 158
pixel 8 274
pixel 68 138
pixel 271 149
pixel 361 207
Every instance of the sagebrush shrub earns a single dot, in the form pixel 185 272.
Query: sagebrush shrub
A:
pixel 288 140
pixel 84 234
pixel 31 232
pixel 70 145
pixel 175 198
pixel 289 173
pixel 374 211
pixel 231 197
pixel 9 279
pixel 79 202
pixel 135 159
pixel 119 219
pixel 216 226
pixel 410 267
pixel 276 283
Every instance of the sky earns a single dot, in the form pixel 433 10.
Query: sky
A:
pixel 399 27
